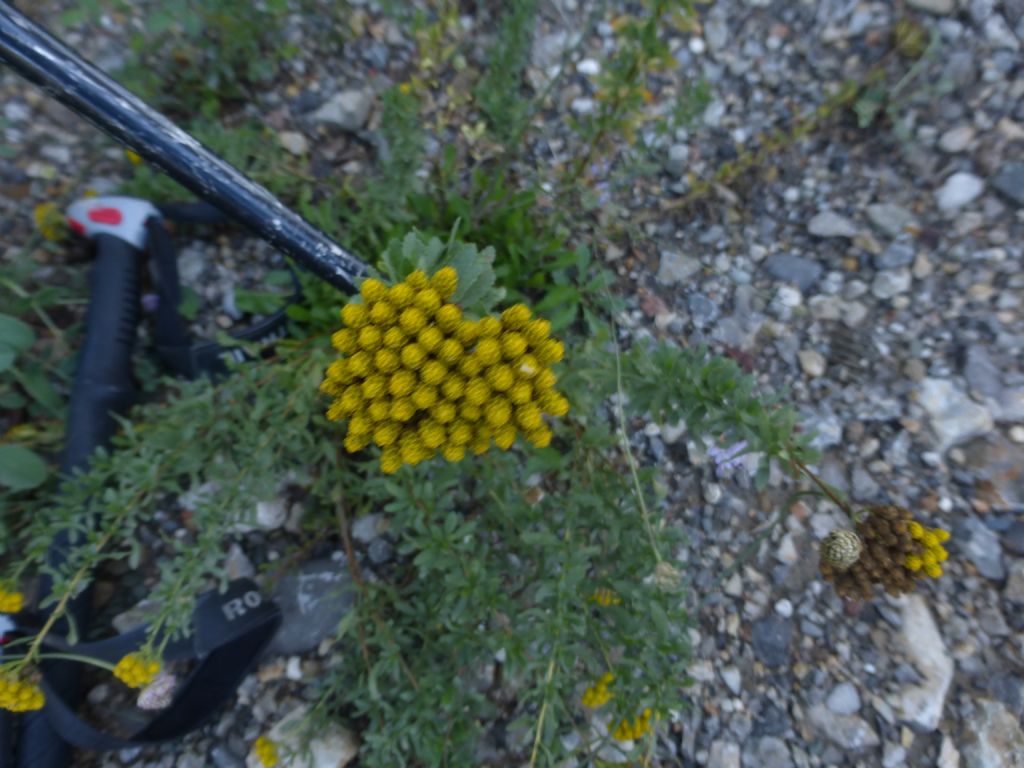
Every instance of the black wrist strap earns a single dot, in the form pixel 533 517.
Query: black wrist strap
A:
pixel 173 343
pixel 230 632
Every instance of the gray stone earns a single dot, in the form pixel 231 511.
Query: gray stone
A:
pixel 349 110
pixel 702 309
pixel 1014 589
pixel 812 362
pixel 724 754
pixel 958 190
pixel 1009 181
pixel 981 546
pixel 368 527
pixel 956 139
pixel 331 747
pixel 981 373
pixel 223 757
pixel 921 704
pixel 895 255
pixel 850 732
pixel 892 219
pixel 999 33
pixel 843 699
pixel 677 159
pixel 797 270
pixel 954 416
pixel 380 551
pixel 771 637
pixel 676 267
pixel 191 263
pixel 237 565
pixel 293 142
pixel 831 224
pixel 1013 538
pixel 891 283
pixel 313 601
pixel 770 752
pixel 938 7
pixel 733 679
pixel 992 737
pixel 864 486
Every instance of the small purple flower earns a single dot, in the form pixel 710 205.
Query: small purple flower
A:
pixel 729 457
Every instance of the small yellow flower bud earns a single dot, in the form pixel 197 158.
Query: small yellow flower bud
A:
pixel 360 363
pixel 529 417
pixel 412 320
pixel 386 360
pixel 394 338
pixel 379 409
pixel 544 379
pixel 916 530
pixel 520 393
pixel 137 670
pixel 453 387
pixel 11 600
pixel 459 433
pixel 941 554
pixel 933 571
pixel 477 392
pixel 500 377
pixel 386 433
pixel 553 403
pixel 536 331
pixel 402 383
pixel 351 400
pixel 516 316
pixel 432 434
pixel 418 280
pixel 488 352
pixel 390 460
pixel 402 409
pixel 413 356
pixel 443 412
pixel 941 535
pixel 266 752
pixel 513 346
pixel 428 301
pixel 550 351
pixel 467 332
pixel 453 452
pixel 370 337
pixel 914 563
pixel 450 352
pixel 430 338
pixel 448 318
pixel 382 313
pixel 401 295
pixel 334 413
pixel 469 366
pixel 929 540
pixel 359 424
pixel 527 367
pixel 470 412
pixel 344 341
pixel 355 315
pixel 497 412
pixel 424 396
pixel 505 436
pixel 479 445
pixel 445 281
pixel 374 386
pixel 539 438
pixel 354 443
pixel 490 327
pixel 433 372
pixel 372 290
pixel 412 450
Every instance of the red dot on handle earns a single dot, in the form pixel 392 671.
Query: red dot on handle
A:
pixel 105 215
pixel 76 226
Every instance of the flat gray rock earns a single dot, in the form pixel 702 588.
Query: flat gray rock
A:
pixel 313 600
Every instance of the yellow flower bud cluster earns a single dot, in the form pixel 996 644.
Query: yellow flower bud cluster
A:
pixel 628 730
pixel 11 602
pixel 18 694
pixel 597 695
pixel 417 378
pixel 137 670
pixel 604 597
pixel 266 752
pixel 930 552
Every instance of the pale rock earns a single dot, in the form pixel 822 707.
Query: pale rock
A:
pixel 237 565
pixel 999 33
pixel 992 737
pixel 892 219
pixel 893 756
pixel 294 142
pixel 677 159
pixel 723 754
pixel 366 528
pixel 956 139
pixel 349 110
pixel 271 514
pixel 954 416
pixel 588 67
pixel 958 190
pixel 831 224
pixel 676 267
pixel 331 746
pixel 921 705
pixel 812 362
pixel 847 731
pixel 733 679
pixel 843 699
pixel 890 283
pixel 949 756
pixel 938 7
pixel 582 105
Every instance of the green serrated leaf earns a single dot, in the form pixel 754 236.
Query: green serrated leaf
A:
pixel 15 334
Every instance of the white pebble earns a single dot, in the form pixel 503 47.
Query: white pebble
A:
pixel 697 46
pixel 588 67
pixel 784 608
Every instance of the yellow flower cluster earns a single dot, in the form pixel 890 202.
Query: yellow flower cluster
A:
pixel 137 670
pixel 631 731
pixel 597 695
pixel 266 752
pixel 930 550
pixel 11 602
pixel 604 597
pixel 18 694
pixel 418 379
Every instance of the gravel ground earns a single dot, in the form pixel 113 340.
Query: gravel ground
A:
pixel 878 279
